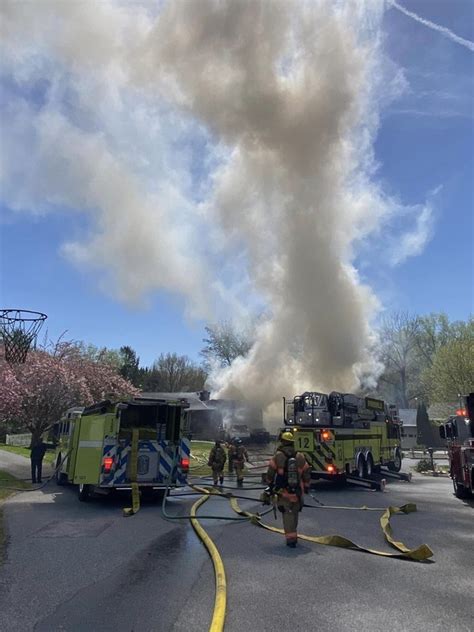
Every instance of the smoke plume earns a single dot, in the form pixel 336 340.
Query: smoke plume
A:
pixel 221 150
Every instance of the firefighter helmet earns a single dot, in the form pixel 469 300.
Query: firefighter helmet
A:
pixel 287 436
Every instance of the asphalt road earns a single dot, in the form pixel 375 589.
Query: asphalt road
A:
pixel 74 566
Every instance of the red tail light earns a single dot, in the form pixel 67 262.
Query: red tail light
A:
pixel 461 412
pixel 185 463
pixel 107 463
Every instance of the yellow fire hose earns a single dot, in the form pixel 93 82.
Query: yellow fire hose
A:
pixel 218 617
pixel 421 553
pixel 130 511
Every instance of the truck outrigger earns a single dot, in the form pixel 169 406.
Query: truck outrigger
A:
pixel 111 446
pixel 345 436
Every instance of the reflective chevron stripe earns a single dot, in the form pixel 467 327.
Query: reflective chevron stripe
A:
pixel 168 461
pixel 328 449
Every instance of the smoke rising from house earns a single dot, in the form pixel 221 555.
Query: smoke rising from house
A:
pixel 221 151
pixel 286 88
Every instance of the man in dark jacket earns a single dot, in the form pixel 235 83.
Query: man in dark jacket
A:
pixel 38 450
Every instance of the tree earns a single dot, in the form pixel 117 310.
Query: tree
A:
pixel 172 373
pixel 425 431
pixel 452 369
pixel 434 331
pixel 224 343
pixel 130 365
pixel 102 355
pixel 400 354
pixel 35 394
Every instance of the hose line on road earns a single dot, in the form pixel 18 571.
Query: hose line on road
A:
pixel 421 553
pixel 220 600
pixel 209 492
pixel 35 489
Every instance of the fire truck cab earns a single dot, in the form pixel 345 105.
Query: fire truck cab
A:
pixel 458 432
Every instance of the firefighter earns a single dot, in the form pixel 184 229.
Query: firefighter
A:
pixel 38 450
pixel 217 459
pixel 238 455
pixel 289 477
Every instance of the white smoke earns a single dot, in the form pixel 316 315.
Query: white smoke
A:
pixel 435 27
pixel 222 149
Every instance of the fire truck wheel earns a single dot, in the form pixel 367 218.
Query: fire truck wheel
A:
pixel 361 466
pixel 59 477
pixel 369 468
pixel 84 493
pixel 459 490
pixel 396 464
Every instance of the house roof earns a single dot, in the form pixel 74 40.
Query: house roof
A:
pixel 192 398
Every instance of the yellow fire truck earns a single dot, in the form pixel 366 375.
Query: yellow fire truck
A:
pixel 95 446
pixel 344 435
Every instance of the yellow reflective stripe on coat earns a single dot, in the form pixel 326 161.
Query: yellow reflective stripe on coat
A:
pixel 130 511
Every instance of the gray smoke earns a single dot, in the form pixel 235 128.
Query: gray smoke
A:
pixel 283 98
pixel 286 87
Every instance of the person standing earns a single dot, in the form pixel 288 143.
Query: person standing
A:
pixel 38 449
pixel 289 477
pixel 217 459
pixel 238 454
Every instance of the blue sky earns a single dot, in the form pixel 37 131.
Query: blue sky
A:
pixel 424 149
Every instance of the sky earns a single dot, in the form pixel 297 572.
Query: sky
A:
pixel 57 258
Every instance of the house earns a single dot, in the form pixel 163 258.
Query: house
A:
pixel 204 417
pixel 209 418
pixel 409 428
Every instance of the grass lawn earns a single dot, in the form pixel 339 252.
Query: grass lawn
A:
pixel 16 449
pixel 199 456
pixel 7 480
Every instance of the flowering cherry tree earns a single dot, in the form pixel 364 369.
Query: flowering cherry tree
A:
pixel 35 394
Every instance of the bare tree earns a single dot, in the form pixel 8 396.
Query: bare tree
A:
pixel 400 354
pixel 171 373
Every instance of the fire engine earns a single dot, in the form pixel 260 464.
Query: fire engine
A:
pixel 458 432
pixel 95 446
pixel 344 435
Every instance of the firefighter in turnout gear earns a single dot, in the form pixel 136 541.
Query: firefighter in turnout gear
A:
pixel 217 459
pixel 289 477
pixel 237 456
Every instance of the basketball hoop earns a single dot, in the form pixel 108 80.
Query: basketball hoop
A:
pixel 19 329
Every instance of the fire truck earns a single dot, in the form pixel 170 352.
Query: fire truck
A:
pixel 95 446
pixel 458 432
pixel 344 435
